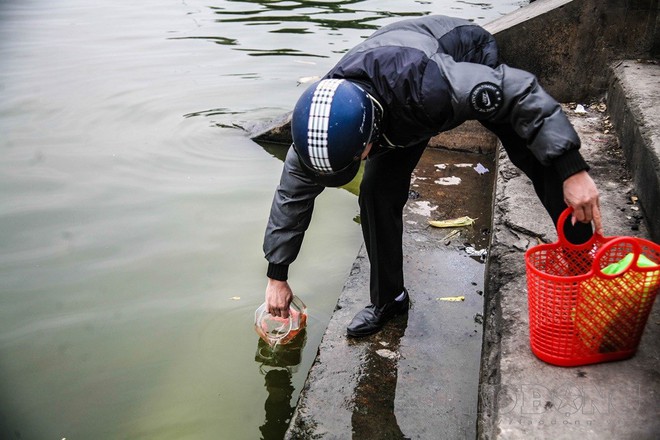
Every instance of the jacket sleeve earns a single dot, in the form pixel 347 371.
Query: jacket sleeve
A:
pixel 290 215
pixel 513 96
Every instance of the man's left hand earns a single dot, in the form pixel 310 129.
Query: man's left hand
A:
pixel 581 194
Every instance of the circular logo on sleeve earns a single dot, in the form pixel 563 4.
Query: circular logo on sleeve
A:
pixel 486 98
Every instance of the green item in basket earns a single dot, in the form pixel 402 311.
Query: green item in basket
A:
pixel 620 266
pixel 608 311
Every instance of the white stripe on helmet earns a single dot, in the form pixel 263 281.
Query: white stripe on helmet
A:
pixel 317 125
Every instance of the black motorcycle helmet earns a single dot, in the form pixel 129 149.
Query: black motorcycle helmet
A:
pixel 332 123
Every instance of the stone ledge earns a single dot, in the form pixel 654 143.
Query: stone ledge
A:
pixel 521 397
pixel 634 102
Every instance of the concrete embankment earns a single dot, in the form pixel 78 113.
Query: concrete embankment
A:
pixel 520 396
pixel 633 96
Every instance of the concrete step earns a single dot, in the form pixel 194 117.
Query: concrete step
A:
pixel 419 376
pixel 522 397
pixel 634 102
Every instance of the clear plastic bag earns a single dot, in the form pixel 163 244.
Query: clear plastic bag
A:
pixel 275 330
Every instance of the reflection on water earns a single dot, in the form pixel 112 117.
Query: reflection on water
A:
pixel 324 14
pixel 278 404
pixel 279 17
pixel 132 210
pixel 313 17
pixel 213 112
pixel 373 412
pixel 278 365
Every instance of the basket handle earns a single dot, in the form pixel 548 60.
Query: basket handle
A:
pixel 636 250
pixel 562 237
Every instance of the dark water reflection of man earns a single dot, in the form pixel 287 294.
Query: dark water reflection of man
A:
pixel 278 404
pixel 278 366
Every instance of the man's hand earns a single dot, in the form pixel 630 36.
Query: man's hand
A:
pixel 278 298
pixel 581 194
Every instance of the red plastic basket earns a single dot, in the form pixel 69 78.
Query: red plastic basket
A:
pixel 580 315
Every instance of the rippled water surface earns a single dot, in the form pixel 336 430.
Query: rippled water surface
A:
pixel 133 207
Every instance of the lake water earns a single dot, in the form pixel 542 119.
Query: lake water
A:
pixel 133 208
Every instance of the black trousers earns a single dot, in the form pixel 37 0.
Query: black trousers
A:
pixel 384 192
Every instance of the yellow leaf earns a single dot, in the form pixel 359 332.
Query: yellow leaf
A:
pixel 235 298
pixel 452 298
pixel 452 234
pixel 453 223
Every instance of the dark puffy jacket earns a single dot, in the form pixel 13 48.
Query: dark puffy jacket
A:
pixel 430 74
pixel 408 67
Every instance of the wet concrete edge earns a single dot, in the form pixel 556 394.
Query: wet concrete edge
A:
pixel 353 383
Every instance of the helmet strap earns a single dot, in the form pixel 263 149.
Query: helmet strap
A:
pixel 378 119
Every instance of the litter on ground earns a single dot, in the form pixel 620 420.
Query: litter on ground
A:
pixel 481 169
pixel 453 180
pixel 453 223
pixel 452 298
pixel 388 354
pixel 479 253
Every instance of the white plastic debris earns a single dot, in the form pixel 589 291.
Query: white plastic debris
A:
pixel 481 169
pixel 479 253
pixel 388 354
pixel 579 109
pixel 422 208
pixel 453 180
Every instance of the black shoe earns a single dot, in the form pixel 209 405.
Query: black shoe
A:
pixel 371 319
